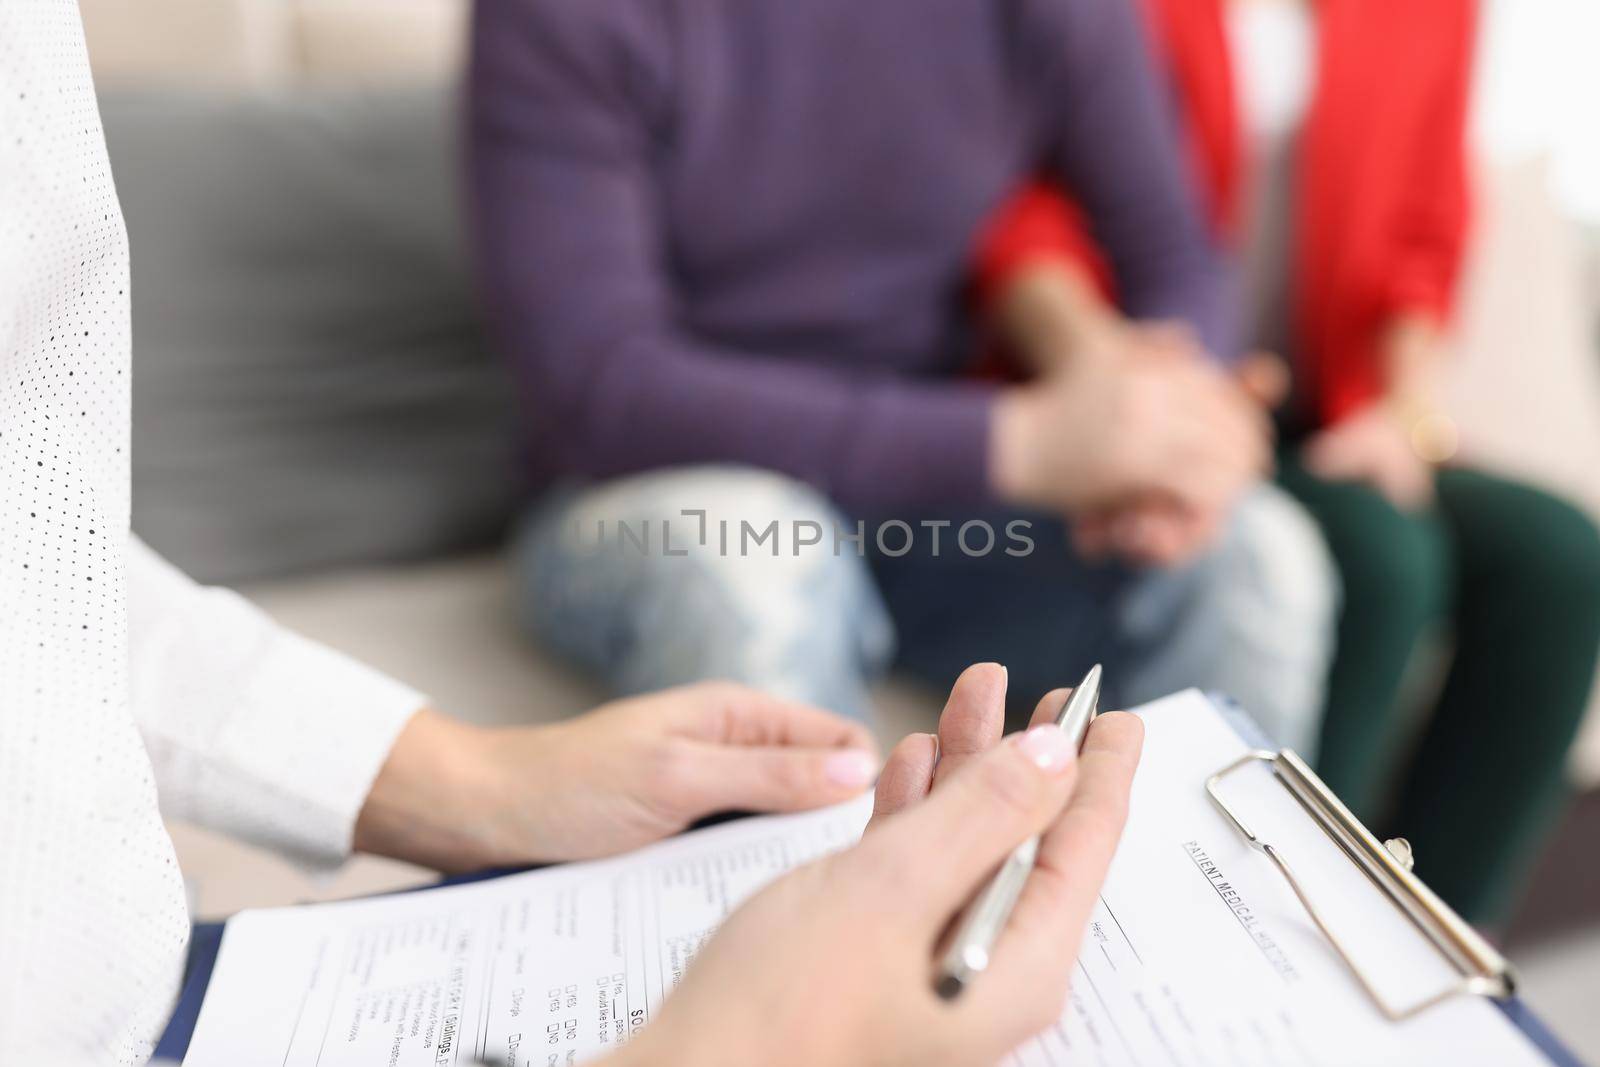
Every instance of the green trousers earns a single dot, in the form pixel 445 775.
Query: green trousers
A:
pixel 1510 576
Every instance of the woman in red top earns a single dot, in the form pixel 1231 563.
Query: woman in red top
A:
pixel 1328 141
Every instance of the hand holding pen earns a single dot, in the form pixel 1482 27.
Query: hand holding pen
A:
pixel 832 963
pixel 972 944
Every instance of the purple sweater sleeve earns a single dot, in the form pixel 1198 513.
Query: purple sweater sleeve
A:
pixel 1116 143
pixel 566 98
pixel 569 246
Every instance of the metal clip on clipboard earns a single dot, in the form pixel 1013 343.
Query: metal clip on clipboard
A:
pixel 1388 864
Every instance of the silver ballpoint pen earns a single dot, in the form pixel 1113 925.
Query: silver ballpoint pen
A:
pixel 980 926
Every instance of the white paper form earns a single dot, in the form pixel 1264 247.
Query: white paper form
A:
pixel 1197 953
pixel 544 968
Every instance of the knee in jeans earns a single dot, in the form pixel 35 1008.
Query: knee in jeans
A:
pixel 1274 549
pixel 749 527
pixel 1268 590
pixel 728 550
pixel 1253 618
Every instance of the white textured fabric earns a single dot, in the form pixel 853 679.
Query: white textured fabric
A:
pixel 248 728
pixel 253 730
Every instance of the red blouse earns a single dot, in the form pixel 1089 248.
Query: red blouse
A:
pixel 1381 200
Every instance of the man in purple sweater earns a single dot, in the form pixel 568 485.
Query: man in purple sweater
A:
pixel 725 244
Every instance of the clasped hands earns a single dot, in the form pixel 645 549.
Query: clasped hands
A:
pixel 1139 438
pixel 1131 431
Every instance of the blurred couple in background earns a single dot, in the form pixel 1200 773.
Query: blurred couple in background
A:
pixel 1068 263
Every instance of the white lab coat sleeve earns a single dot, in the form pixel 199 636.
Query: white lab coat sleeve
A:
pixel 253 730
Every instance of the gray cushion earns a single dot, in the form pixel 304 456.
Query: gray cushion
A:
pixel 311 381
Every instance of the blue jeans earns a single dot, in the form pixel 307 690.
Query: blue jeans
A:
pixel 679 575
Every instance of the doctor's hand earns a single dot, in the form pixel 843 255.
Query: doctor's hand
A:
pixel 458 797
pixel 834 963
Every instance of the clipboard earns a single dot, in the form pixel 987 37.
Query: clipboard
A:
pixel 1388 864
pixel 1483 970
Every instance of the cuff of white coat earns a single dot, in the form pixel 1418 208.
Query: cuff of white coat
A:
pixel 343 718
pixel 291 762
pixel 253 730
